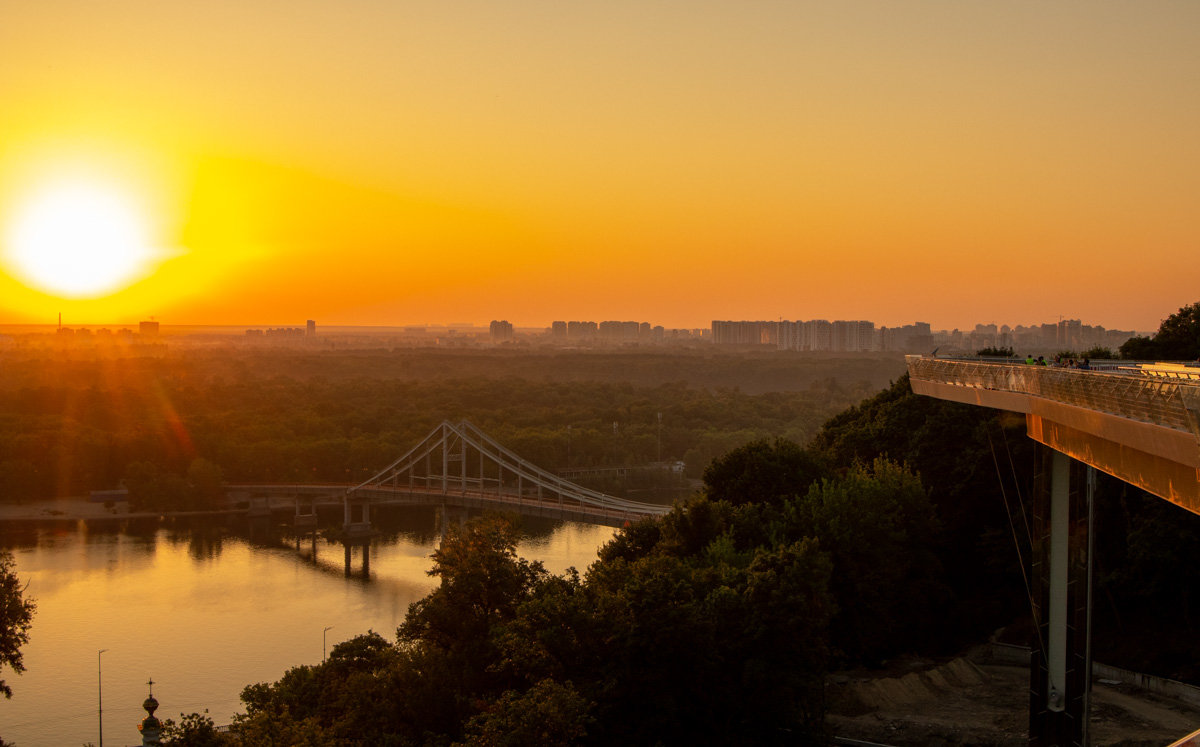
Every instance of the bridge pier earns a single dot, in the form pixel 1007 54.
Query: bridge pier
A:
pixel 362 527
pixel 313 551
pixel 305 519
pixel 1060 667
pixel 366 557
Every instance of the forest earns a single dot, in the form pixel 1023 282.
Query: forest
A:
pixel 72 422
pixel 829 532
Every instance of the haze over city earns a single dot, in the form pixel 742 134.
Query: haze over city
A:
pixel 386 163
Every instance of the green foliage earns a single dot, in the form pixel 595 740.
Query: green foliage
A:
pixel 151 488
pixel 963 455
pixel 762 471
pixel 16 616
pixel 504 653
pixel 1177 339
pixel 70 425
pixel 1138 348
pixel 193 730
pixel 880 531
pixel 995 352
pixel 547 714
pixel 1099 353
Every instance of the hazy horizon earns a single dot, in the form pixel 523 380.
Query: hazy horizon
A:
pixel 482 326
pixel 373 162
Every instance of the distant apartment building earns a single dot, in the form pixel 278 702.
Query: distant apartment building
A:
pixel 821 335
pixel 310 328
pixel 501 331
pixel 910 338
pixel 854 337
pixel 745 333
pixel 582 332
pixel 812 335
pixel 620 333
pixel 287 332
pixel 148 329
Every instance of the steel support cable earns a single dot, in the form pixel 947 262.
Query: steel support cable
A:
pixel 466 432
pixel 1017 488
pixel 552 481
pixel 1037 623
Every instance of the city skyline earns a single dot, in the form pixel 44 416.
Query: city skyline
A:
pixel 381 163
pixel 785 332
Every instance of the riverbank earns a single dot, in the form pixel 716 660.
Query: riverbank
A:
pixel 82 509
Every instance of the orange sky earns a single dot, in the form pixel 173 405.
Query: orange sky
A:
pixel 384 162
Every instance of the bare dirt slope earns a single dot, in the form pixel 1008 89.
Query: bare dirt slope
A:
pixel 963 703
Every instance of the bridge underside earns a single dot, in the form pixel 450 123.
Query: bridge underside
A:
pixel 1162 461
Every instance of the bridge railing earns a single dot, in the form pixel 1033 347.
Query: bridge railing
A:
pixel 1166 396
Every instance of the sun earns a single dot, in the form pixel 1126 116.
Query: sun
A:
pixel 78 239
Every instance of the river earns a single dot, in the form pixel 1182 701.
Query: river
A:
pixel 206 607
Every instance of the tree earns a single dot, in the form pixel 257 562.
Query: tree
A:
pixel 1139 348
pixel 1178 338
pixel 193 730
pixel 547 714
pixel 880 529
pixel 206 484
pixel 16 613
pixel 960 452
pixel 762 471
pixel 995 352
pixel 1099 353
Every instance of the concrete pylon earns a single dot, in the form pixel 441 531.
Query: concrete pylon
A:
pixel 1060 666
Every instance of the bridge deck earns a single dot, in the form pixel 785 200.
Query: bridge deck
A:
pixel 331 495
pixel 1138 422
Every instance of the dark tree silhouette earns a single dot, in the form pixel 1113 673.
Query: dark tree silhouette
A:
pixel 16 614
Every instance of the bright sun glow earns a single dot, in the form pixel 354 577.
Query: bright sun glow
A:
pixel 79 240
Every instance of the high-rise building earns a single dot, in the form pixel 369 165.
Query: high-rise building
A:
pixel 582 331
pixel 148 329
pixel 310 328
pixel 745 333
pixel 502 331
pixel 854 336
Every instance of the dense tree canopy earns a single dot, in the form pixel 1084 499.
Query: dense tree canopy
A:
pixel 1177 339
pixel 74 424
pixel 762 471
pixel 16 615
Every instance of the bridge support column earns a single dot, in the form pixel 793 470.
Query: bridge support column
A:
pixel 1060 666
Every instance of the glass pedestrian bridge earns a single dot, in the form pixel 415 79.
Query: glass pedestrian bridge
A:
pixel 1137 421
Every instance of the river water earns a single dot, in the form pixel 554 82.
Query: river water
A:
pixel 206 607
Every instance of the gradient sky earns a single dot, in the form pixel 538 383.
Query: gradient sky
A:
pixel 372 162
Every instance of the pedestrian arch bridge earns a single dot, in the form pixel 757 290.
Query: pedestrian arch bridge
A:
pixel 456 465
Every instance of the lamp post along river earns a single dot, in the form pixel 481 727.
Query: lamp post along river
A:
pixel 100 694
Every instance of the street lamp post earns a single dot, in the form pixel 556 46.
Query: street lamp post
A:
pixel 323 632
pixel 100 694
